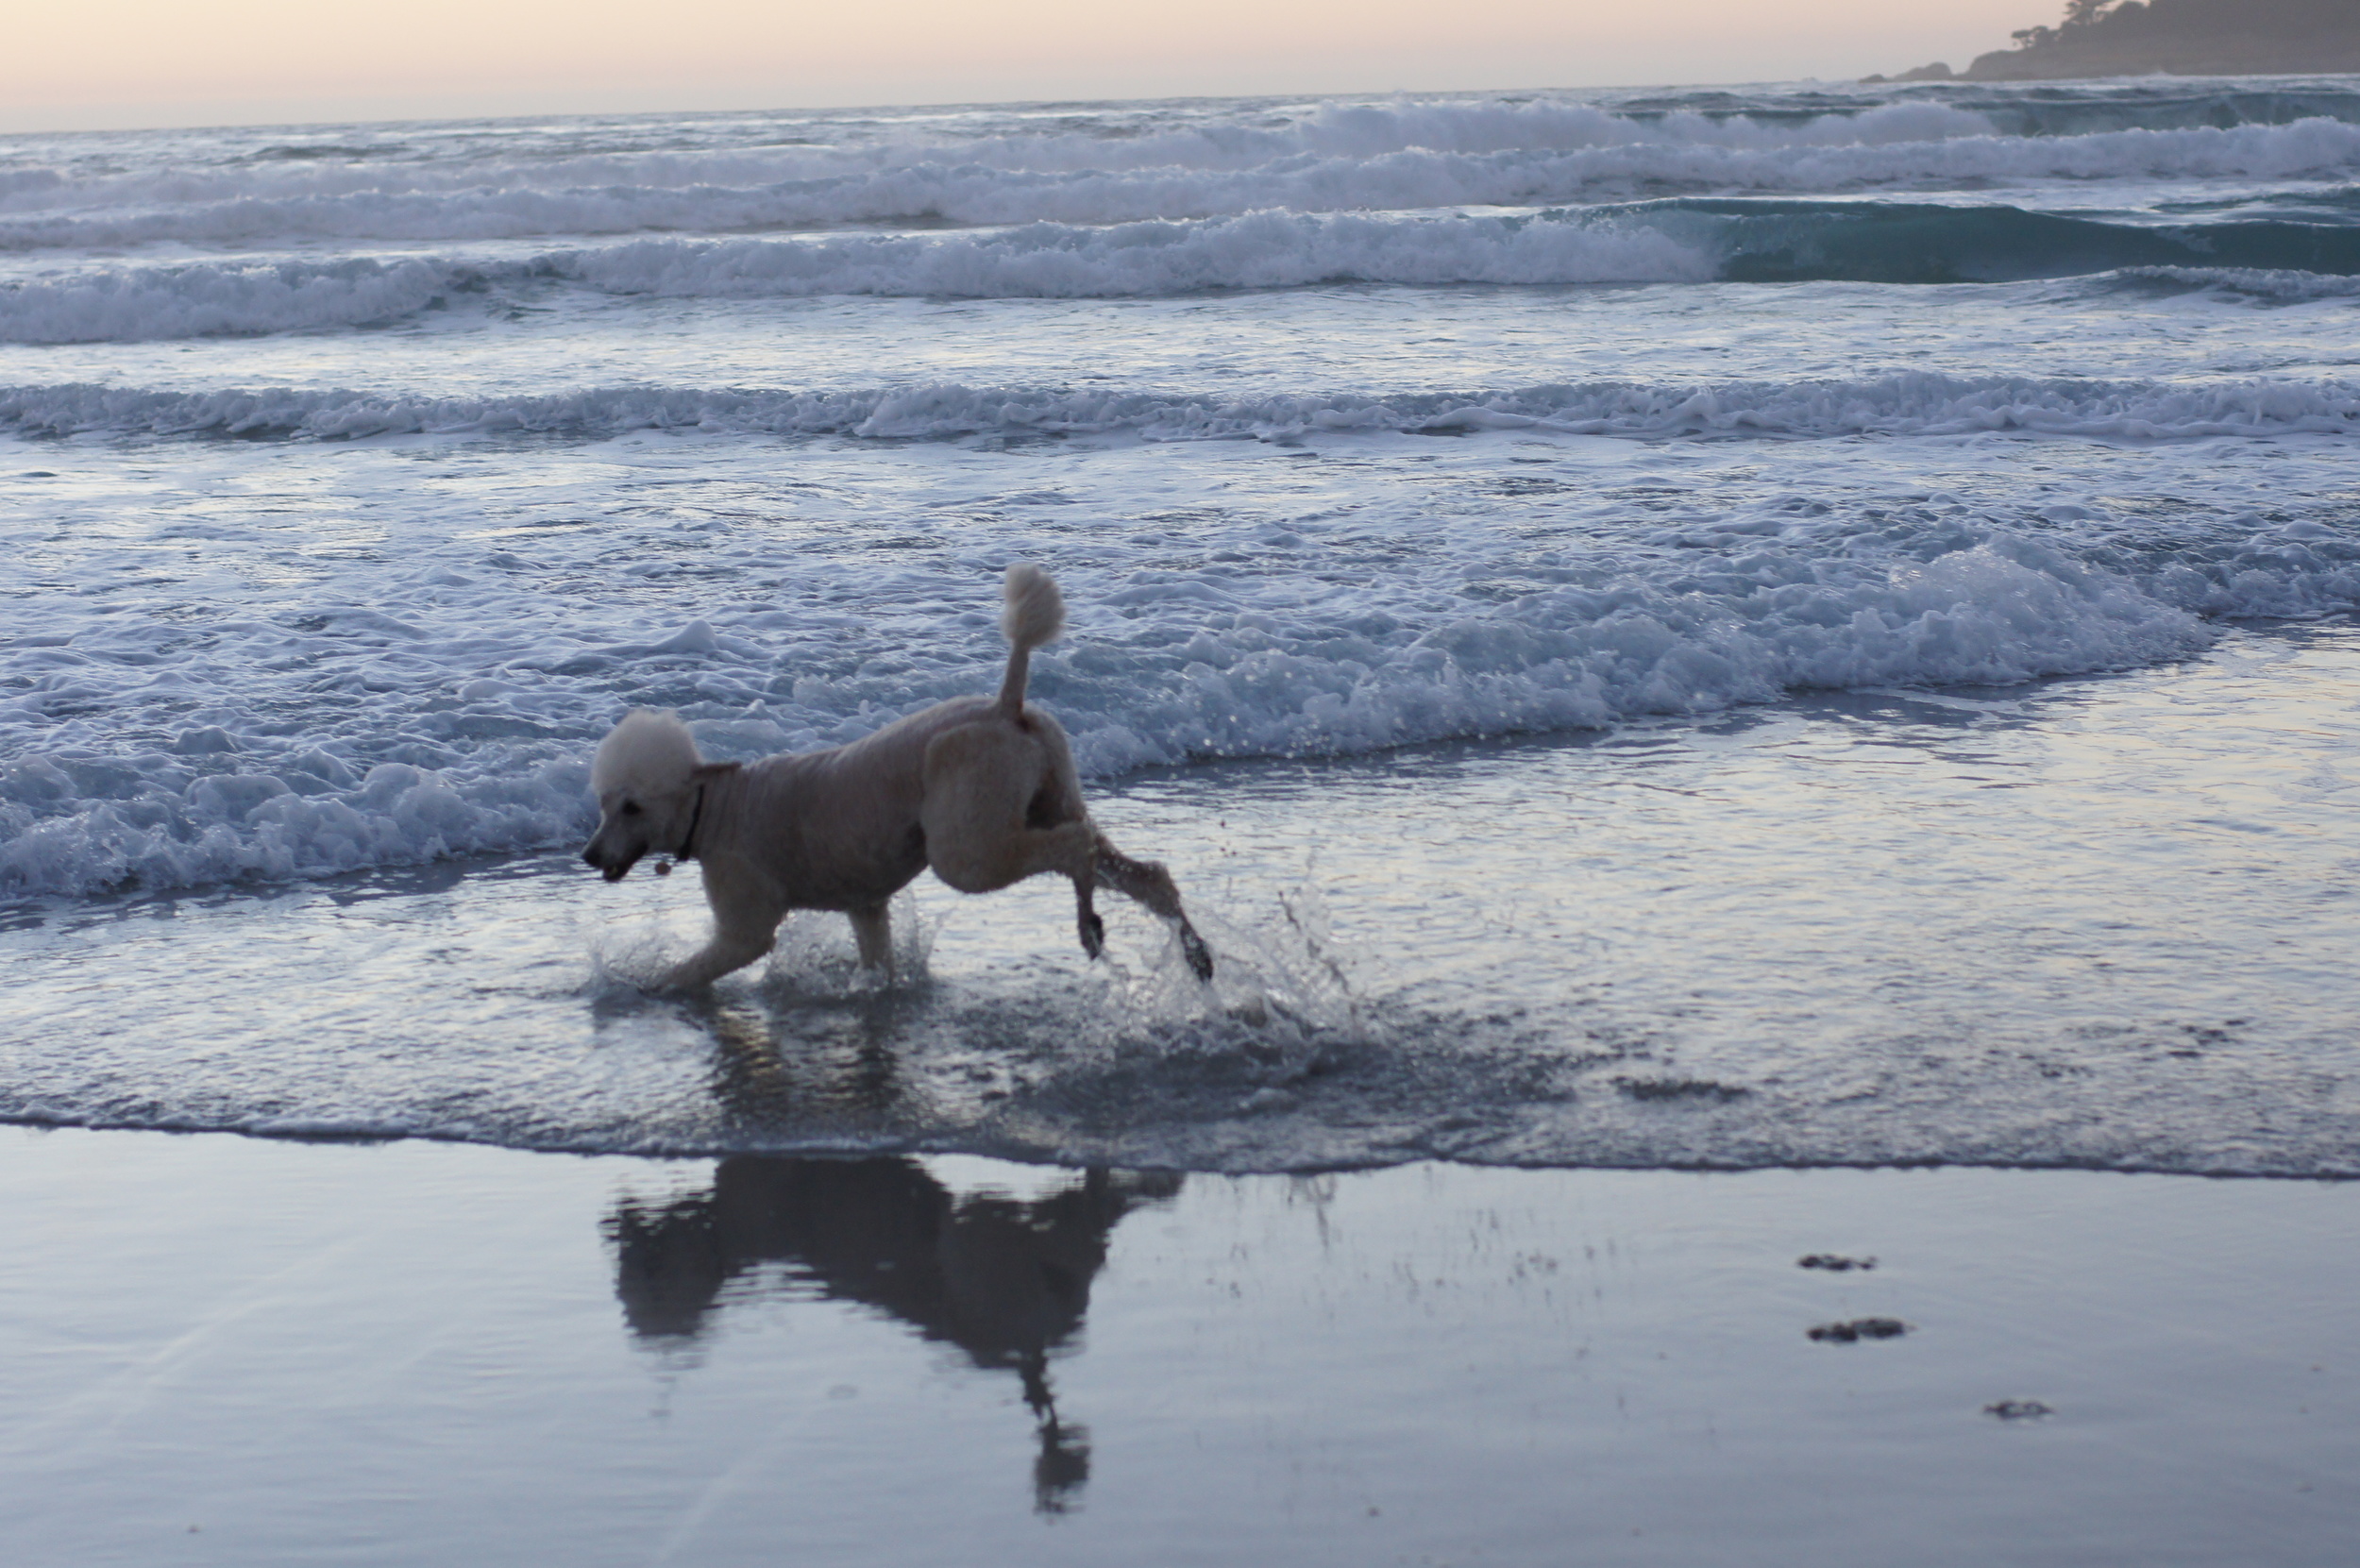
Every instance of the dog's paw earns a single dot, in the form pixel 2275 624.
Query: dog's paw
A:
pixel 1093 936
pixel 1192 947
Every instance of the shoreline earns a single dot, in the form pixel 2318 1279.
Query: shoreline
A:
pixel 364 1137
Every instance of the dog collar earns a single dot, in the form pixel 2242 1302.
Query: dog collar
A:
pixel 687 849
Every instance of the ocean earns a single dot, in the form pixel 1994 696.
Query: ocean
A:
pixel 1785 625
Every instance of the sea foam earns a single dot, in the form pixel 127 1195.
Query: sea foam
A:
pixel 457 719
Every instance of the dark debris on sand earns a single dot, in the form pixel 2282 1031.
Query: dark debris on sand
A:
pixel 1836 1262
pixel 1859 1329
pixel 1679 1089
pixel 2018 1410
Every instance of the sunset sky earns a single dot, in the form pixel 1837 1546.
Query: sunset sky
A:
pixel 163 62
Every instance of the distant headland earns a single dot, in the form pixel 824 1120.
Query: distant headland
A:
pixel 2183 37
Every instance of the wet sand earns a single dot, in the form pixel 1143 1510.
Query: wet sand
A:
pixel 243 1351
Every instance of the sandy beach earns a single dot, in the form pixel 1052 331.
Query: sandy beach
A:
pixel 239 1351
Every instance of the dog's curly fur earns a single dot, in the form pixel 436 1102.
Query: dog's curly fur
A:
pixel 980 789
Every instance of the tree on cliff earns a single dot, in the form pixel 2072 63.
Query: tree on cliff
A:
pixel 2079 14
pixel 2098 38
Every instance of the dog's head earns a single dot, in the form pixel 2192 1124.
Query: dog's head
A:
pixel 646 776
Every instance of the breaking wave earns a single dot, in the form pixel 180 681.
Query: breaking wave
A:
pixel 458 723
pixel 1671 242
pixel 1338 158
pixel 1906 404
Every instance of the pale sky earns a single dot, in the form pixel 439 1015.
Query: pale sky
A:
pixel 124 64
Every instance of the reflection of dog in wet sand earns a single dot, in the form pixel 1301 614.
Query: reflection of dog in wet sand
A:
pixel 982 789
pixel 1005 1280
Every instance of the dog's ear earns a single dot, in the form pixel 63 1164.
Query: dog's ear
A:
pixel 709 770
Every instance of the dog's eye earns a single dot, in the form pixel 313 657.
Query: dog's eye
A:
pixel 631 808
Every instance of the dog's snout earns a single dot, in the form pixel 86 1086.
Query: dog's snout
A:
pixel 602 859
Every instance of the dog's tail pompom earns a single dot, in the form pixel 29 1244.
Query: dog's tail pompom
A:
pixel 648 752
pixel 1036 611
pixel 1035 614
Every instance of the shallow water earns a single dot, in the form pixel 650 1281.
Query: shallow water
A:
pixel 2099 922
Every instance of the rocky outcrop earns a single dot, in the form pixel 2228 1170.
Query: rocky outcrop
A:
pixel 2186 38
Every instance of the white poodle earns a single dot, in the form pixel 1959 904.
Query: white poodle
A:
pixel 982 789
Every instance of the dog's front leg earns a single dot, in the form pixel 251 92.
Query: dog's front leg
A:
pixel 872 932
pixel 746 916
pixel 727 951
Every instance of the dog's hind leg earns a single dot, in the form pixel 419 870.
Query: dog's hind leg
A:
pixel 983 831
pixel 872 932
pixel 1085 920
pixel 1151 884
pixel 986 861
pixel 1057 802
